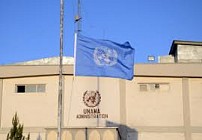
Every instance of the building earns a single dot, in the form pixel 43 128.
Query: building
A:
pixel 162 102
pixel 183 52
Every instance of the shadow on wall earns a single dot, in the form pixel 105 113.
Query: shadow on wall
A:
pixel 39 137
pixel 124 132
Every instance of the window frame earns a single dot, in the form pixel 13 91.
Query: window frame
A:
pixel 26 90
pixel 153 87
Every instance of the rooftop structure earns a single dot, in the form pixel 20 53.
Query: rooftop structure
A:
pixel 183 52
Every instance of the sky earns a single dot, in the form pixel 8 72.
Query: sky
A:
pixel 30 30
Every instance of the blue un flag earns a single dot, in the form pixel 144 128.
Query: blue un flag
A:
pixel 104 58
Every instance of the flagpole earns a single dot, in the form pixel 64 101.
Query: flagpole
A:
pixel 75 44
pixel 60 86
pixel 77 30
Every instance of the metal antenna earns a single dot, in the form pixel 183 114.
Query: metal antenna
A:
pixel 77 30
pixel 60 86
pixel 78 16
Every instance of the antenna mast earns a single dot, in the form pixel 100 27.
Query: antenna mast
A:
pixel 78 17
pixel 60 86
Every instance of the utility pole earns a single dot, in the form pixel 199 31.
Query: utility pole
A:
pixel 60 86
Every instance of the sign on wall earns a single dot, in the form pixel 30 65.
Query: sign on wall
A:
pixel 91 100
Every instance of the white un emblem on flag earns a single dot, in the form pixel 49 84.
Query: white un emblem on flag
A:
pixel 104 56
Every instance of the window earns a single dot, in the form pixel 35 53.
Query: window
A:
pixel 156 86
pixel 20 89
pixel 143 87
pixel 153 87
pixel 30 88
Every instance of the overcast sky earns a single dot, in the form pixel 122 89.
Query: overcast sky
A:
pixel 30 29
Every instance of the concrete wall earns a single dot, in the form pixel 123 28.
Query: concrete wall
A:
pixel 156 114
pixel 38 111
pixel 1 92
pixel 189 53
pixel 154 107
pixel 196 101
pixel 195 108
pixel 34 109
pixel 166 59
pixel 74 104
pixel 170 108
pixel 172 114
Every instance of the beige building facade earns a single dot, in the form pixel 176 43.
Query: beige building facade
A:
pixel 162 102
